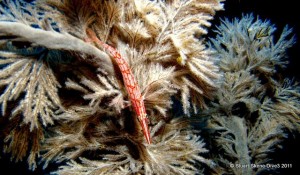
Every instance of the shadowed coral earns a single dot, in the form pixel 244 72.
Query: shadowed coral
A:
pixel 20 141
pixel 254 107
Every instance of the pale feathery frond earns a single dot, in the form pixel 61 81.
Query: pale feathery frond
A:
pixel 178 43
pixel 248 124
pixel 238 87
pixel 74 138
pixel 178 27
pixel 150 12
pixel 155 81
pixel 265 137
pixel 71 16
pixel 101 90
pixel 249 45
pixel 108 13
pixel 176 150
pixel 101 94
pixel 34 79
pixel 75 16
pixel 157 87
pixel 284 106
pixel 233 141
pixel 253 110
pixel 135 31
pixel 246 146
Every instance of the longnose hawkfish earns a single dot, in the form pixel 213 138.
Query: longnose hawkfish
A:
pixel 130 83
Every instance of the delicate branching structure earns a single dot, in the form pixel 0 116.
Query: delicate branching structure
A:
pixel 52 74
pixel 29 98
pixel 155 33
pixel 32 78
pixel 122 152
pixel 254 106
pixel 63 98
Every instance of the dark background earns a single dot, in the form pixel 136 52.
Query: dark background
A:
pixel 280 13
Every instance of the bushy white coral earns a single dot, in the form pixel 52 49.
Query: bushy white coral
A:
pixel 254 107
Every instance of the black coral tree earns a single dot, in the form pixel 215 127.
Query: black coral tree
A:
pixel 64 103
pixel 255 108
pixel 63 97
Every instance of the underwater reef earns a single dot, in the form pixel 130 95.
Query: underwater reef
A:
pixel 144 87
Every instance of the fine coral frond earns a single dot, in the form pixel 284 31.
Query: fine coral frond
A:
pixel 20 142
pixel 31 82
pixel 74 16
pixel 157 87
pixel 250 45
pixel 175 151
pixel 106 89
pixel 254 109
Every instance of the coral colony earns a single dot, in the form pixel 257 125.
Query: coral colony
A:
pixel 131 87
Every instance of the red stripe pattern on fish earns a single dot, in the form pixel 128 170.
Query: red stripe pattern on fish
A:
pixel 130 83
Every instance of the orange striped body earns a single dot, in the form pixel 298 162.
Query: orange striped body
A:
pixel 131 84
